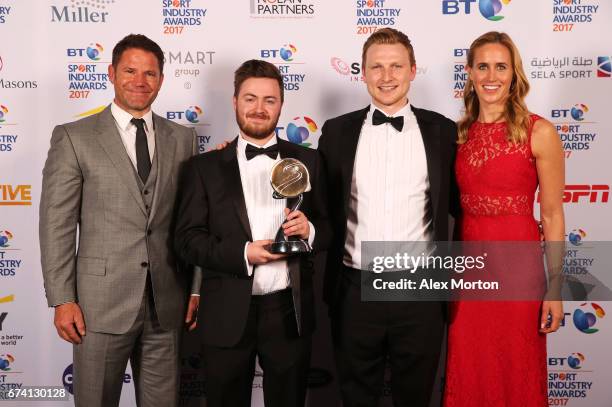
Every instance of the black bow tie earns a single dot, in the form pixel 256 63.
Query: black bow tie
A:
pixel 379 118
pixel 252 151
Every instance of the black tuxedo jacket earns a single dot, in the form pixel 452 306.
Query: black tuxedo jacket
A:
pixel 212 228
pixel 338 145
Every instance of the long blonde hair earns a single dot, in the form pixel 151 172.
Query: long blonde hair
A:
pixel 516 114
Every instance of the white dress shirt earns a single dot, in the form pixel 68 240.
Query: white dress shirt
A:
pixel 127 131
pixel 389 190
pixel 265 214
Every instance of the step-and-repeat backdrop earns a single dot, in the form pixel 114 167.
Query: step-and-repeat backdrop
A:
pixel 54 56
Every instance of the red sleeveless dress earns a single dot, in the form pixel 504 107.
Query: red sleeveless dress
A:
pixel 496 354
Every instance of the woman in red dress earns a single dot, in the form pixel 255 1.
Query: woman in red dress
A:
pixel 497 349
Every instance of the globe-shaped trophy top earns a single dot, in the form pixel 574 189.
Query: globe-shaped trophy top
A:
pixel 289 177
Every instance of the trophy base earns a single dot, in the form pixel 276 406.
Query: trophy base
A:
pixel 290 247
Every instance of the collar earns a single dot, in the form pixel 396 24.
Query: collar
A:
pixel 242 143
pixel 123 118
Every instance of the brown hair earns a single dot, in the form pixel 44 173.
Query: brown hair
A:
pixel 255 68
pixel 387 36
pixel 138 41
pixel 516 113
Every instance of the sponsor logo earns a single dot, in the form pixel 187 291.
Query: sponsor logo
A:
pixel 561 67
pixel 8 139
pixel 191 117
pixel 5 12
pixel 585 317
pixel 187 64
pixel 5 237
pixel 15 195
pixel 282 9
pixel 460 75
pixel 180 14
pixel 567 379
pixel 7 298
pixel 596 193
pixel 68 378
pixel 576 134
pixel 10 259
pixel 604 67
pixel 489 9
pixel 79 11
pixel 568 14
pixel 373 15
pixel 3 316
pixel 9 83
pixel 285 59
pixel 576 236
pixel 87 73
pixel 300 129
pixel 193 383
pixel 6 361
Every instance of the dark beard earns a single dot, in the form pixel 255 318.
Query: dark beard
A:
pixel 253 133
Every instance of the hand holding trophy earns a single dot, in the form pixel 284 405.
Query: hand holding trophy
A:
pixel 289 179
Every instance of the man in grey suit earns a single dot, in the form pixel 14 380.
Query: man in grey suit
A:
pixel 118 294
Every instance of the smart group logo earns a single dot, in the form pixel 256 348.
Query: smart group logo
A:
pixel 300 129
pixel 576 236
pixel 5 238
pixel 489 9
pixel 5 12
pixel 352 70
pixel 82 11
pixel 575 132
pixel 282 9
pixel 561 67
pixel 187 64
pixel 604 67
pixel 8 138
pixel 567 380
pixel 568 14
pixel 191 117
pixel 6 361
pixel 372 15
pixel 11 83
pixel 285 58
pixel 586 317
pixel 179 15
pixel 87 72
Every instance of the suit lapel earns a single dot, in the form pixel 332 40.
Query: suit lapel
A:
pixel 431 139
pixel 108 137
pixel 350 138
pixel 231 174
pixel 165 147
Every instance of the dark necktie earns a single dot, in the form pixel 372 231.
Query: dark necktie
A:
pixel 143 160
pixel 379 118
pixel 252 151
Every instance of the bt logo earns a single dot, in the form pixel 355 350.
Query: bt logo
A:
pixel 191 114
pixel 575 237
pixel 286 52
pixel 489 9
pixel 584 321
pixel 576 112
pixel 6 361
pixel 574 361
pixel 3 111
pixel 93 51
pixel 300 129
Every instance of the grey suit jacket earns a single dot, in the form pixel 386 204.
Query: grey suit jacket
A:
pixel 89 182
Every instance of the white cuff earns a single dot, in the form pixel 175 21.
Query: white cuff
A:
pixel 311 236
pixel 249 267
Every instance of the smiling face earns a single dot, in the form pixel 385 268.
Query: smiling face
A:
pixel 258 106
pixel 137 81
pixel 492 74
pixel 388 74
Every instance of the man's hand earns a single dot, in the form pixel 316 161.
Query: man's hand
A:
pixel 222 145
pixel 69 322
pixel 191 320
pixel 296 224
pixel 258 254
pixel 555 310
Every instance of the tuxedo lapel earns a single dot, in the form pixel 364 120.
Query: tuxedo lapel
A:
pixel 108 137
pixel 165 147
pixel 231 174
pixel 350 137
pixel 431 139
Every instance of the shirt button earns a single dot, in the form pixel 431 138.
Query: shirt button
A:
pixel 144 264
pixel 146 192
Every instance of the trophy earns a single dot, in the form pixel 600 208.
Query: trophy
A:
pixel 289 179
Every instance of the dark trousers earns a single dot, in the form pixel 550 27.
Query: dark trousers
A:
pixel 271 335
pixel 367 334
